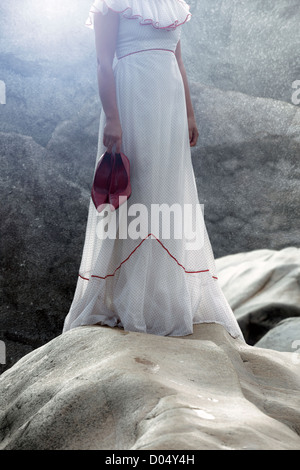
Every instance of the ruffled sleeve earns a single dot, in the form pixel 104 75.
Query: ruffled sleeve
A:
pixel 161 14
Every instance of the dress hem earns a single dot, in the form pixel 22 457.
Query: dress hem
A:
pixel 116 325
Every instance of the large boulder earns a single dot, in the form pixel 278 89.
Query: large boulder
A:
pixel 285 336
pixel 48 64
pixel 101 388
pixel 41 232
pixel 250 46
pixel 246 170
pixel 262 287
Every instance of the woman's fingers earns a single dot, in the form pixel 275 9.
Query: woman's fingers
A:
pixel 193 139
pixel 193 131
pixel 109 148
pixel 112 143
pixel 194 134
pixel 118 146
pixel 112 137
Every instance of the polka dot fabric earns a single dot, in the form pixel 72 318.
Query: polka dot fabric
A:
pixel 148 280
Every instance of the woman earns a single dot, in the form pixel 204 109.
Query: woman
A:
pixel 154 279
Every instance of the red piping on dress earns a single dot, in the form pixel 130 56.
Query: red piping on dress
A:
pixel 145 50
pixel 157 239
pixel 145 22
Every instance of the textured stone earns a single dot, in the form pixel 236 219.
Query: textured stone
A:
pixel 262 287
pixel 250 46
pixel 101 388
pixel 41 232
pixel 285 336
pixel 246 170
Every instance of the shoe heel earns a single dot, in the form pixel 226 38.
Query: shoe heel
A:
pixel 120 189
pixel 102 182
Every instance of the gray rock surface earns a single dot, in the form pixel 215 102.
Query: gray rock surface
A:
pixel 262 287
pixel 285 336
pixel 48 65
pixel 250 46
pixel 100 388
pixel 246 167
pixel 42 229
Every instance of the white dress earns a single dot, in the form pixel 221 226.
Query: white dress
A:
pixel 147 273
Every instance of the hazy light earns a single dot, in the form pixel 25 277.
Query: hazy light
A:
pixel 56 10
pixel 46 17
pixel 45 29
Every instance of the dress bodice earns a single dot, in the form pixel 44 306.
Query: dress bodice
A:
pixel 134 37
pixel 155 24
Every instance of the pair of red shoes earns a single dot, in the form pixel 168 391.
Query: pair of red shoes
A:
pixel 111 183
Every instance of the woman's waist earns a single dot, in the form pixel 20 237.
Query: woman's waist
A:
pixel 146 50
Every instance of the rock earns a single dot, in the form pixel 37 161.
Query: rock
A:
pixel 285 336
pixel 101 388
pixel 246 170
pixel 41 240
pixel 49 76
pixel 262 287
pixel 244 46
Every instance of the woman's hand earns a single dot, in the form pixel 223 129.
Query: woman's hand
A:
pixel 193 131
pixel 112 136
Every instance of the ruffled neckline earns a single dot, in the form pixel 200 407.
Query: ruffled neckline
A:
pixel 161 14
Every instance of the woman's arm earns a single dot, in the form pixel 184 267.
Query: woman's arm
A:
pixel 106 31
pixel 193 131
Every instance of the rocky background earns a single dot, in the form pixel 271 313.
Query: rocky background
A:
pixel 242 59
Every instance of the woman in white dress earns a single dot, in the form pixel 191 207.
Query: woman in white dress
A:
pixel 138 273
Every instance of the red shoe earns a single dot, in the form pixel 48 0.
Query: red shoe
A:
pixel 102 180
pixel 120 187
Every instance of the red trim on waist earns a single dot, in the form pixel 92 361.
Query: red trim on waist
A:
pixel 145 50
